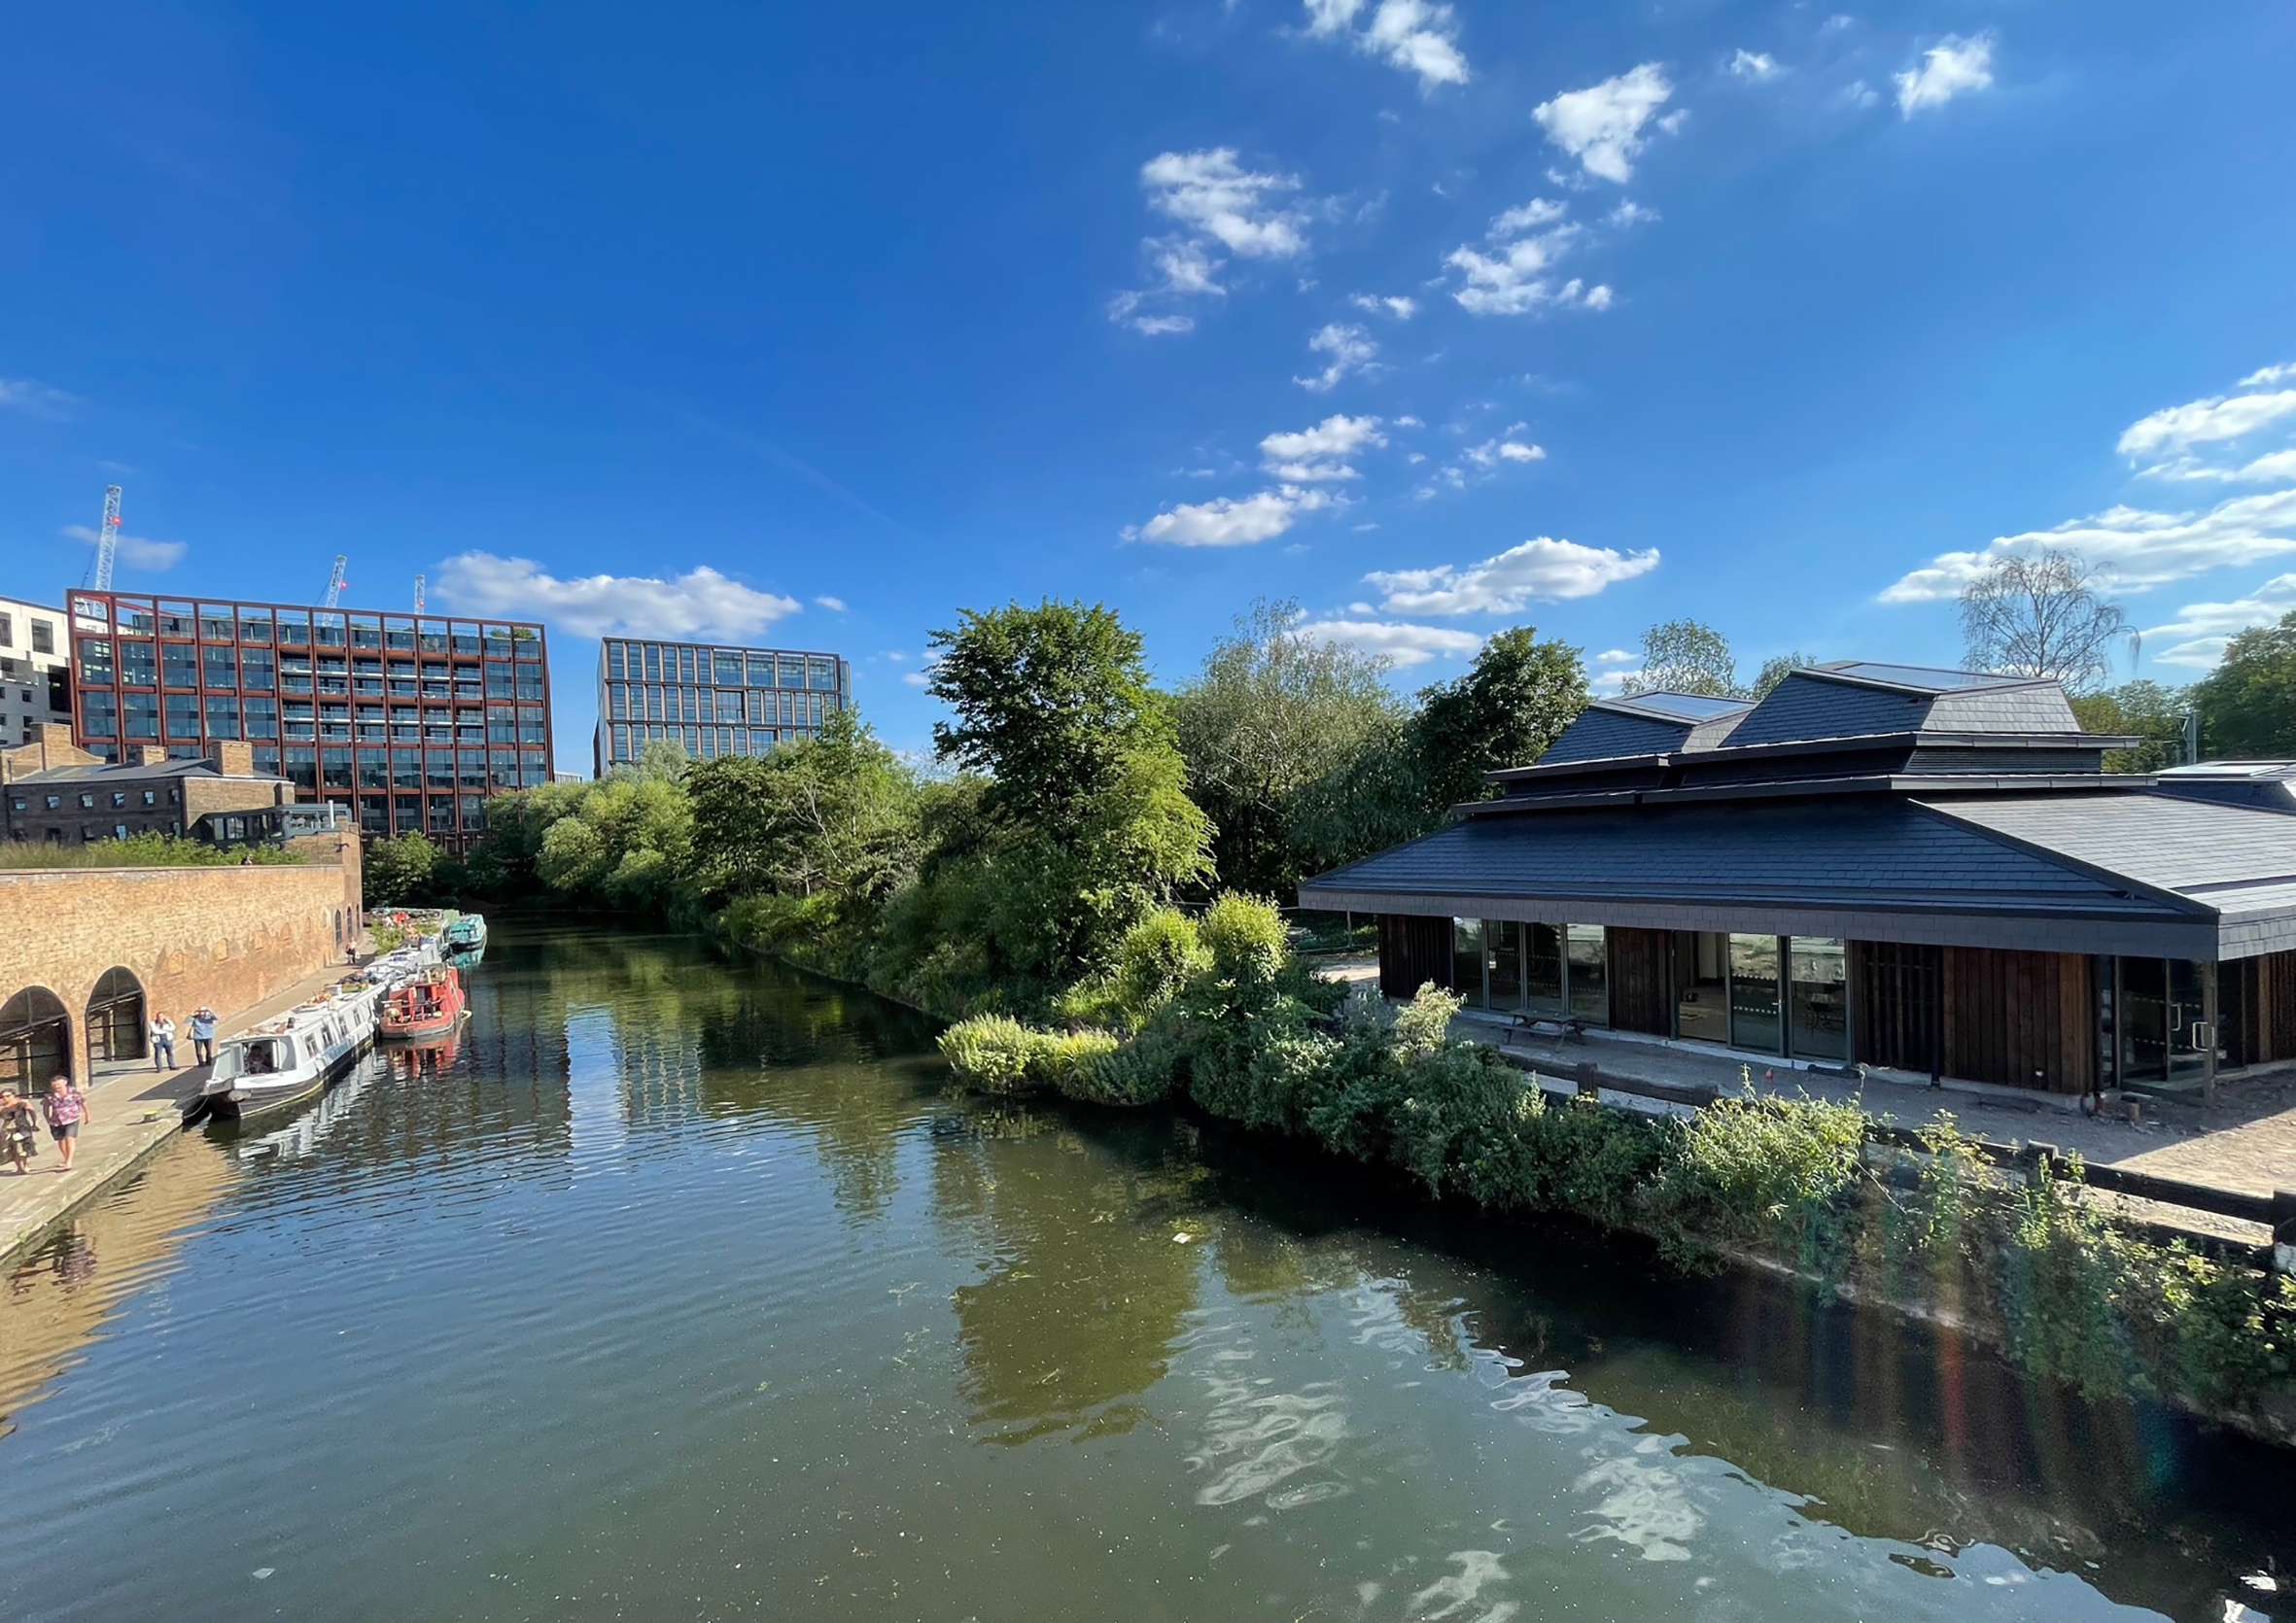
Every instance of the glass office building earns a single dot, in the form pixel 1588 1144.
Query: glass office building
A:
pixel 713 700
pixel 410 720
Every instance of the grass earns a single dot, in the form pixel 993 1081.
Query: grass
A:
pixel 140 850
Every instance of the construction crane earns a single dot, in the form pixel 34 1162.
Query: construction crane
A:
pixel 335 581
pixel 418 593
pixel 107 539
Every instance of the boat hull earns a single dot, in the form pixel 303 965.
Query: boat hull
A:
pixel 246 1104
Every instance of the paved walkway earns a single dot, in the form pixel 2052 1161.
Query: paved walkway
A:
pixel 134 1110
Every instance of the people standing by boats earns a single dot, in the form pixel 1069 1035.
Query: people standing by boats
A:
pixel 162 1043
pixel 20 1130
pixel 203 1035
pixel 66 1110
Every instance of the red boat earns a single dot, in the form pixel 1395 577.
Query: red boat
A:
pixel 427 1005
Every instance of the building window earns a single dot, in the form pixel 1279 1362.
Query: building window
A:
pixel 613 661
pixel 726 667
pixel 7 630
pixel 99 714
pixel 1467 960
pixel 1821 979
pixel 88 803
pixel 1589 972
pixel 95 660
pixel 118 798
pixel 761 671
pixel 43 637
pixel 1754 992
pixel 136 665
pixel 262 716
pixel 222 715
pixel 179 664
pixel 219 665
pixel 621 743
pixel 182 716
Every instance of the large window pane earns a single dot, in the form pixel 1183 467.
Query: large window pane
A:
pixel 1506 949
pixel 1754 992
pixel 1467 960
pixel 1543 968
pixel 1821 1003
pixel 1590 974
pixel 1702 985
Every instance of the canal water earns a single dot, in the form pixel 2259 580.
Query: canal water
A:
pixel 680 1288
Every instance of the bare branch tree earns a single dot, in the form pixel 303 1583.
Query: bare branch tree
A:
pixel 2042 614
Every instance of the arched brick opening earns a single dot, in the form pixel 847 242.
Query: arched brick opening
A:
pixel 35 1039
pixel 116 1018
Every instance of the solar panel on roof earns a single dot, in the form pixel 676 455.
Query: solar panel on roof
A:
pixel 1690 706
pixel 1925 676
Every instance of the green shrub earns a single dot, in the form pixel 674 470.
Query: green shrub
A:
pixel 998 1054
pixel 1155 960
pixel 1244 937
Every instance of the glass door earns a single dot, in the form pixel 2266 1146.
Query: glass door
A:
pixel 1820 978
pixel 1754 992
pixel 2191 1044
pixel 1702 985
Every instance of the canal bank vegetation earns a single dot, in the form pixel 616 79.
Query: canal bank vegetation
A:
pixel 142 850
pixel 1055 887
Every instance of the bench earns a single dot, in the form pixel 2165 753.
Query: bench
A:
pixel 1562 1029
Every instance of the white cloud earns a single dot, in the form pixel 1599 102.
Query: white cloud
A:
pixel 1404 645
pixel 1601 126
pixel 1417 36
pixel 1492 452
pixel 1836 23
pixel 1541 567
pixel 35 399
pixel 1400 307
pixel 2137 548
pixel 1210 193
pixel 137 552
pixel 1630 213
pixel 2220 417
pixel 700 603
pixel 1350 349
pixel 1214 199
pixel 1615 656
pixel 2266 376
pixel 1953 64
pixel 1233 520
pixel 1515 280
pixel 1858 94
pixel 1320 452
pixel 1754 65
pixel 1526 217
pixel 835 606
pixel 2142 547
pixel 916 678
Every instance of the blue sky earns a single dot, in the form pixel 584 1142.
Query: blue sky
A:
pixel 811 323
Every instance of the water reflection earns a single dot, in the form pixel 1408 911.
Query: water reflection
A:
pixel 682 1286
pixel 1090 1268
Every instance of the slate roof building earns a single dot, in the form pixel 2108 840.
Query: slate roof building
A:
pixel 1913 870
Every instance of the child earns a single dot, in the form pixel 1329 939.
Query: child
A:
pixel 20 1130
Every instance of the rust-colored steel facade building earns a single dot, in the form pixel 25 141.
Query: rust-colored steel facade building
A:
pixel 410 720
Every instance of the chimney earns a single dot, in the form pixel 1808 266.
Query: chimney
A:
pixel 233 757
pixel 151 754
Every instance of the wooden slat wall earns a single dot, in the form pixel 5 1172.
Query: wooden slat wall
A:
pixel 1897 992
pixel 2022 1019
pixel 2272 1014
pixel 1641 994
pixel 1413 951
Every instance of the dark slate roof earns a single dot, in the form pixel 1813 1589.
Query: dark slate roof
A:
pixel 2269 786
pixel 133 771
pixel 1606 731
pixel 2212 854
pixel 1882 852
pixel 1845 700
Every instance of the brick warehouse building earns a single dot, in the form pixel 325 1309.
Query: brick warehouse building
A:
pixel 408 720
pixel 54 793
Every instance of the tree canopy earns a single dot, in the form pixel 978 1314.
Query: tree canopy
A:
pixel 2044 614
pixel 2249 702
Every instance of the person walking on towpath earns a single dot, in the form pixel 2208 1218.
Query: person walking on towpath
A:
pixel 203 1035
pixel 162 1043
pixel 20 1130
pixel 66 1109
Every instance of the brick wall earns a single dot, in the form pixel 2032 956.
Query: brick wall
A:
pixel 226 937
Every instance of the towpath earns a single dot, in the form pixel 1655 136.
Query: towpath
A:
pixel 135 1110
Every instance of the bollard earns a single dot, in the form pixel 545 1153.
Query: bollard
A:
pixel 2283 1232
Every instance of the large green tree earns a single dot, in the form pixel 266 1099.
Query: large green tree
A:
pixel 1271 714
pixel 2148 711
pixel 395 872
pixel 1503 711
pixel 1685 656
pixel 2248 703
pixel 1085 822
pixel 831 815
